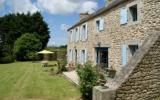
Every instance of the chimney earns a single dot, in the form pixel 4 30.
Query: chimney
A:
pixel 84 15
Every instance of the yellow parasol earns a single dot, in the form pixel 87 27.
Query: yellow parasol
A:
pixel 45 52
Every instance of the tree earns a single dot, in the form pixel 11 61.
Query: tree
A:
pixel 5 53
pixel 14 26
pixel 25 46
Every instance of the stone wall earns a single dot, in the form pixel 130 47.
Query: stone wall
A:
pixel 144 81
pixel 140 78
pixel 115 35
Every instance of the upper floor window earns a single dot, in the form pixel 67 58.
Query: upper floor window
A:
pixel 84 32
pixel 133 13
pixel 77 34
pixel 71 36
pixel 100 24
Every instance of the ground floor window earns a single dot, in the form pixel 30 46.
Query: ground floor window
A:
pixel 83 56
pixel 127 52
pixel 133 49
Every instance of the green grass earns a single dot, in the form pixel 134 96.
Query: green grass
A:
pixel 29 81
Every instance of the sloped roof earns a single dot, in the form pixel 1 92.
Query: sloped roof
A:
pixel 102 10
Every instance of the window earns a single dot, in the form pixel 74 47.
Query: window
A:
pixel 71 36
pixel 84 32
pixel 133 49
pixel 70 55
pixel 83 56
pixel 77 34
pixel 100 24
pixel 133 13
pixel 127 52
pixel 123 16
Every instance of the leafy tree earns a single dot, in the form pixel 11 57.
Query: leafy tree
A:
pixel 26 46
pixel 14 26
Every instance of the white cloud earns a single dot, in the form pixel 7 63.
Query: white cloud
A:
pixel 88 6
pixel 64 27
pixel 52 6
pixel 23 6
pixel 67 6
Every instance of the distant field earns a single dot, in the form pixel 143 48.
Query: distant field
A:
pixel 29 81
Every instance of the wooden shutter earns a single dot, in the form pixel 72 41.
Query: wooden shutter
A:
pixel 85 55
pixel 101 27
pixel 86 32
pixel 123 16
pixel 124 54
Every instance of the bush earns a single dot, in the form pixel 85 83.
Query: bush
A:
pixel 26 47
pixel 61 65
pixel 7 59
pixel 88 79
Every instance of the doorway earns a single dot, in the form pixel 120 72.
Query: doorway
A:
pixel 102 57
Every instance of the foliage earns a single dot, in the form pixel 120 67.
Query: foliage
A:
pixel 61 65
pixel 26 46
pixel 13 26
pixel 34 56
pixel 7 59
pixel 88 79
pixel 5 51
pixel 59 52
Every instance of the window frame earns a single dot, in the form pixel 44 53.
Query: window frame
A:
pixel 100 19
pixel 84 33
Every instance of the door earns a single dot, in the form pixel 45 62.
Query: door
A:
pixel 102 57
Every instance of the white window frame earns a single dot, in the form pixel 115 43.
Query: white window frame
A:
pixel 77 34
pixel 84 60
pixel 84 33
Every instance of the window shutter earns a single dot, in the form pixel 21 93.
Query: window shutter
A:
pixel 78 34
pixel 80 56
pixel 85 55
pixel 74 36
pixel 101 27
pixel 86 32
pixel 124 54
pixel 123 16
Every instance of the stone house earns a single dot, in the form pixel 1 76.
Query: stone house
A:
pixel 111 36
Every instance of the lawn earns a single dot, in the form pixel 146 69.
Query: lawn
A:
pixel 29 81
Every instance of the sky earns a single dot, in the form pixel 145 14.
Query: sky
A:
pixel 59 14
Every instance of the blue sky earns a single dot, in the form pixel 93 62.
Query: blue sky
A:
pixel 59 14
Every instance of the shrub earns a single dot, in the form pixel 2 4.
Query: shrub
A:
pixel 6 59
pixel 25 46
pixel 88 79
pixel 61 65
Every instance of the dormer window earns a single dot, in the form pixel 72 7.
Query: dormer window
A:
pixel 133 13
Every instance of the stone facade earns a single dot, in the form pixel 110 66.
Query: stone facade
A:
pixel 115 34
pixel 143 83
pixel 139 79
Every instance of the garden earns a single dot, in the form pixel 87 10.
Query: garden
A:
pixel 30 81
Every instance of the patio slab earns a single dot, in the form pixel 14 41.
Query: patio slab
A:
pixel 72 76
